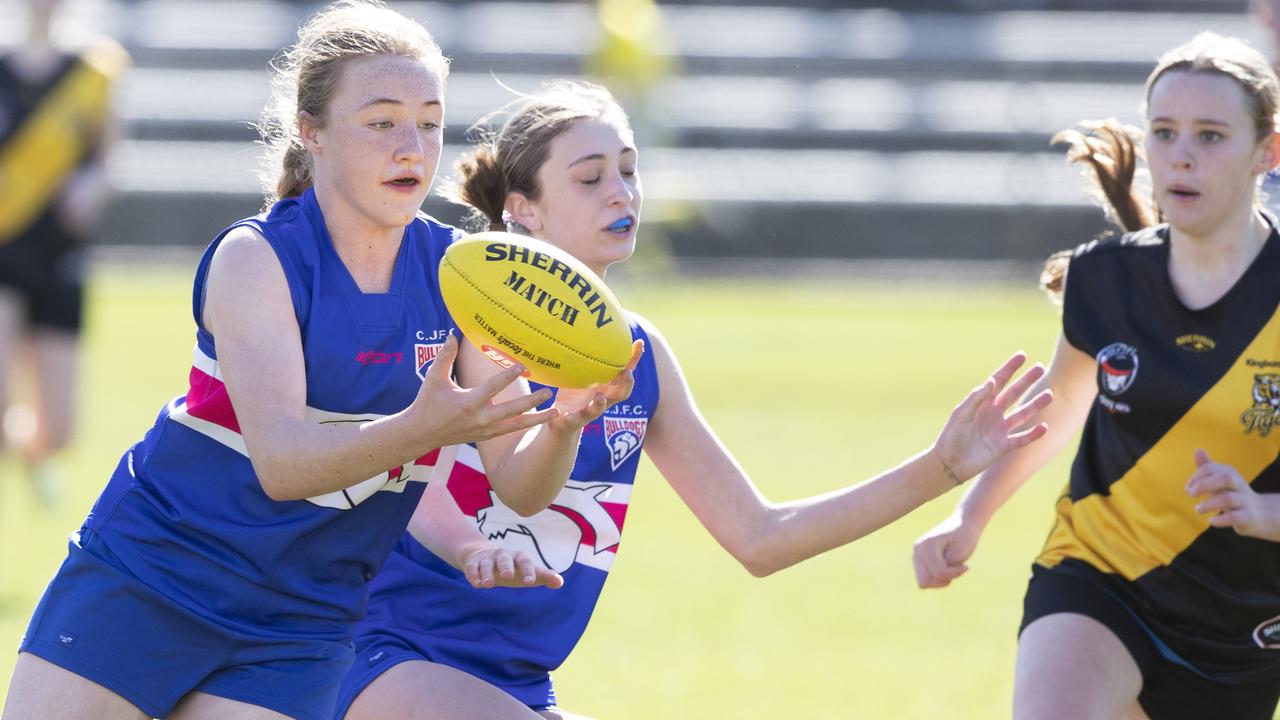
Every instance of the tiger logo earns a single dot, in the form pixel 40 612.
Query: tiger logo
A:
pixel 1265 412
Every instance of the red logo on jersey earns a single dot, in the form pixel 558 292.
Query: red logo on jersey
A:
pixel 423 355
pixel 373 357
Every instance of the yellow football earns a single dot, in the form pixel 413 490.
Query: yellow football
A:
pixel 522 300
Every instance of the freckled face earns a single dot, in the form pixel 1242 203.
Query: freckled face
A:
pixel 1202 149
pixel 379 148
pixel 591 194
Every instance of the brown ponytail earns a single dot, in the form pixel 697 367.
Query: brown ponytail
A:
pixel 482 187
pixel 1110 151
pixel 507 159
pixel 295 176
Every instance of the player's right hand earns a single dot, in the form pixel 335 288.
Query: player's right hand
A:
pixel 495 566
pixel 451 415
pixel 939 555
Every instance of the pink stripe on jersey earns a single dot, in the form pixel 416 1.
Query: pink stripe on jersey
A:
pixel 208 400
pixel 470 489
pixel 617 511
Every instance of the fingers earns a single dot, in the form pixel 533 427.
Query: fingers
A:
pixel 499 567
pixel 524 569
pixel 1002 374
pixel 968 408
pixel 479 569
pixel 1213 478
pixel 442 366
pixel 637 350
pixel 518 423
pixel 1020 386
pixel 1202 457
pixel 1226 519
pixel 1221 502
pixel 549 579
pixel 1026 437
pixel 495 384
pixel 519 405
pixel 931 566
pixel 1029 409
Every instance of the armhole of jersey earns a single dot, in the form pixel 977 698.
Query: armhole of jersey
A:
pixel 300 306
pixel 1072 305
pixel 648 365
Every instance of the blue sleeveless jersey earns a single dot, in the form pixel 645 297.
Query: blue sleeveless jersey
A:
pixel 184 510
pixel 513 637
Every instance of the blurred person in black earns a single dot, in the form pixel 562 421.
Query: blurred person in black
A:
pixel 55 129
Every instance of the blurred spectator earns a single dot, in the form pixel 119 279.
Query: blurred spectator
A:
pixel 633 57
pixel 55 128
pixel 1267 13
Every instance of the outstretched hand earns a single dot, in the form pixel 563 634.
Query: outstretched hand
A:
pixel 1232 500
pixel 495 566
pixel 981 429
pixel 580 406
pixel 451 415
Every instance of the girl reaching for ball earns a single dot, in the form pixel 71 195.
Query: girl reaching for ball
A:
pixel 564 169
pixel 221 570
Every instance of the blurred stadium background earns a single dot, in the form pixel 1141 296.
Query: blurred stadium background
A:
pixel 883 174
pixel 827 129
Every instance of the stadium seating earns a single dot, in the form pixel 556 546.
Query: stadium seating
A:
pixel 824 129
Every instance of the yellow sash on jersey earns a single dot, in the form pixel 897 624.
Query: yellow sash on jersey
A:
pixel 54 138
pixel 1147 518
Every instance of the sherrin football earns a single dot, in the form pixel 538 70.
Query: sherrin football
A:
pixel 519 299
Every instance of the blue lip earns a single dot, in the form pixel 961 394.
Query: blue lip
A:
pixel 622 224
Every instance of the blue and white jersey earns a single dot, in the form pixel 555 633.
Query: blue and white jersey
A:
pixel 513 637
pixel 185 511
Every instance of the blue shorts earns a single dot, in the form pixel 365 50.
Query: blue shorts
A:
pixel 100 622
pixel 376 654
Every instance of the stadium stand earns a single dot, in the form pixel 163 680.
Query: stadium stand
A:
pixel 824 129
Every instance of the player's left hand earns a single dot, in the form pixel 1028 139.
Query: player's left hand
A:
pixel 580 406
pixel 981 428
pixel 495 566
pixel 1232 501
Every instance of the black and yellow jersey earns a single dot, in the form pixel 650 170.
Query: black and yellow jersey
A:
pixel 49 129
pixel 1171 380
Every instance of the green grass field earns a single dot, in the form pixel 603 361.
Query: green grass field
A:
pixel 812 385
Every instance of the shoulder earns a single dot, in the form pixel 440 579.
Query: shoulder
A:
pixel 435 229
pixel 242 249
pixel 1142 243
pixel 657 351
pixel 1128 253
pixel 643 329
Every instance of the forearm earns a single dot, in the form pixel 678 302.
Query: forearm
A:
pixel 441 527
pixel 295 459
pixel 998 483
pixel 788 533
pixel 529 476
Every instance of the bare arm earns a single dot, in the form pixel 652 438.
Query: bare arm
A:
pixel 766 537
pixel 442 528
pixel 528 471
pixel 940 554
pixel 249 310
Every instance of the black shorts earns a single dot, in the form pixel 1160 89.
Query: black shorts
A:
pixel 1173 688
pixel 45 267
